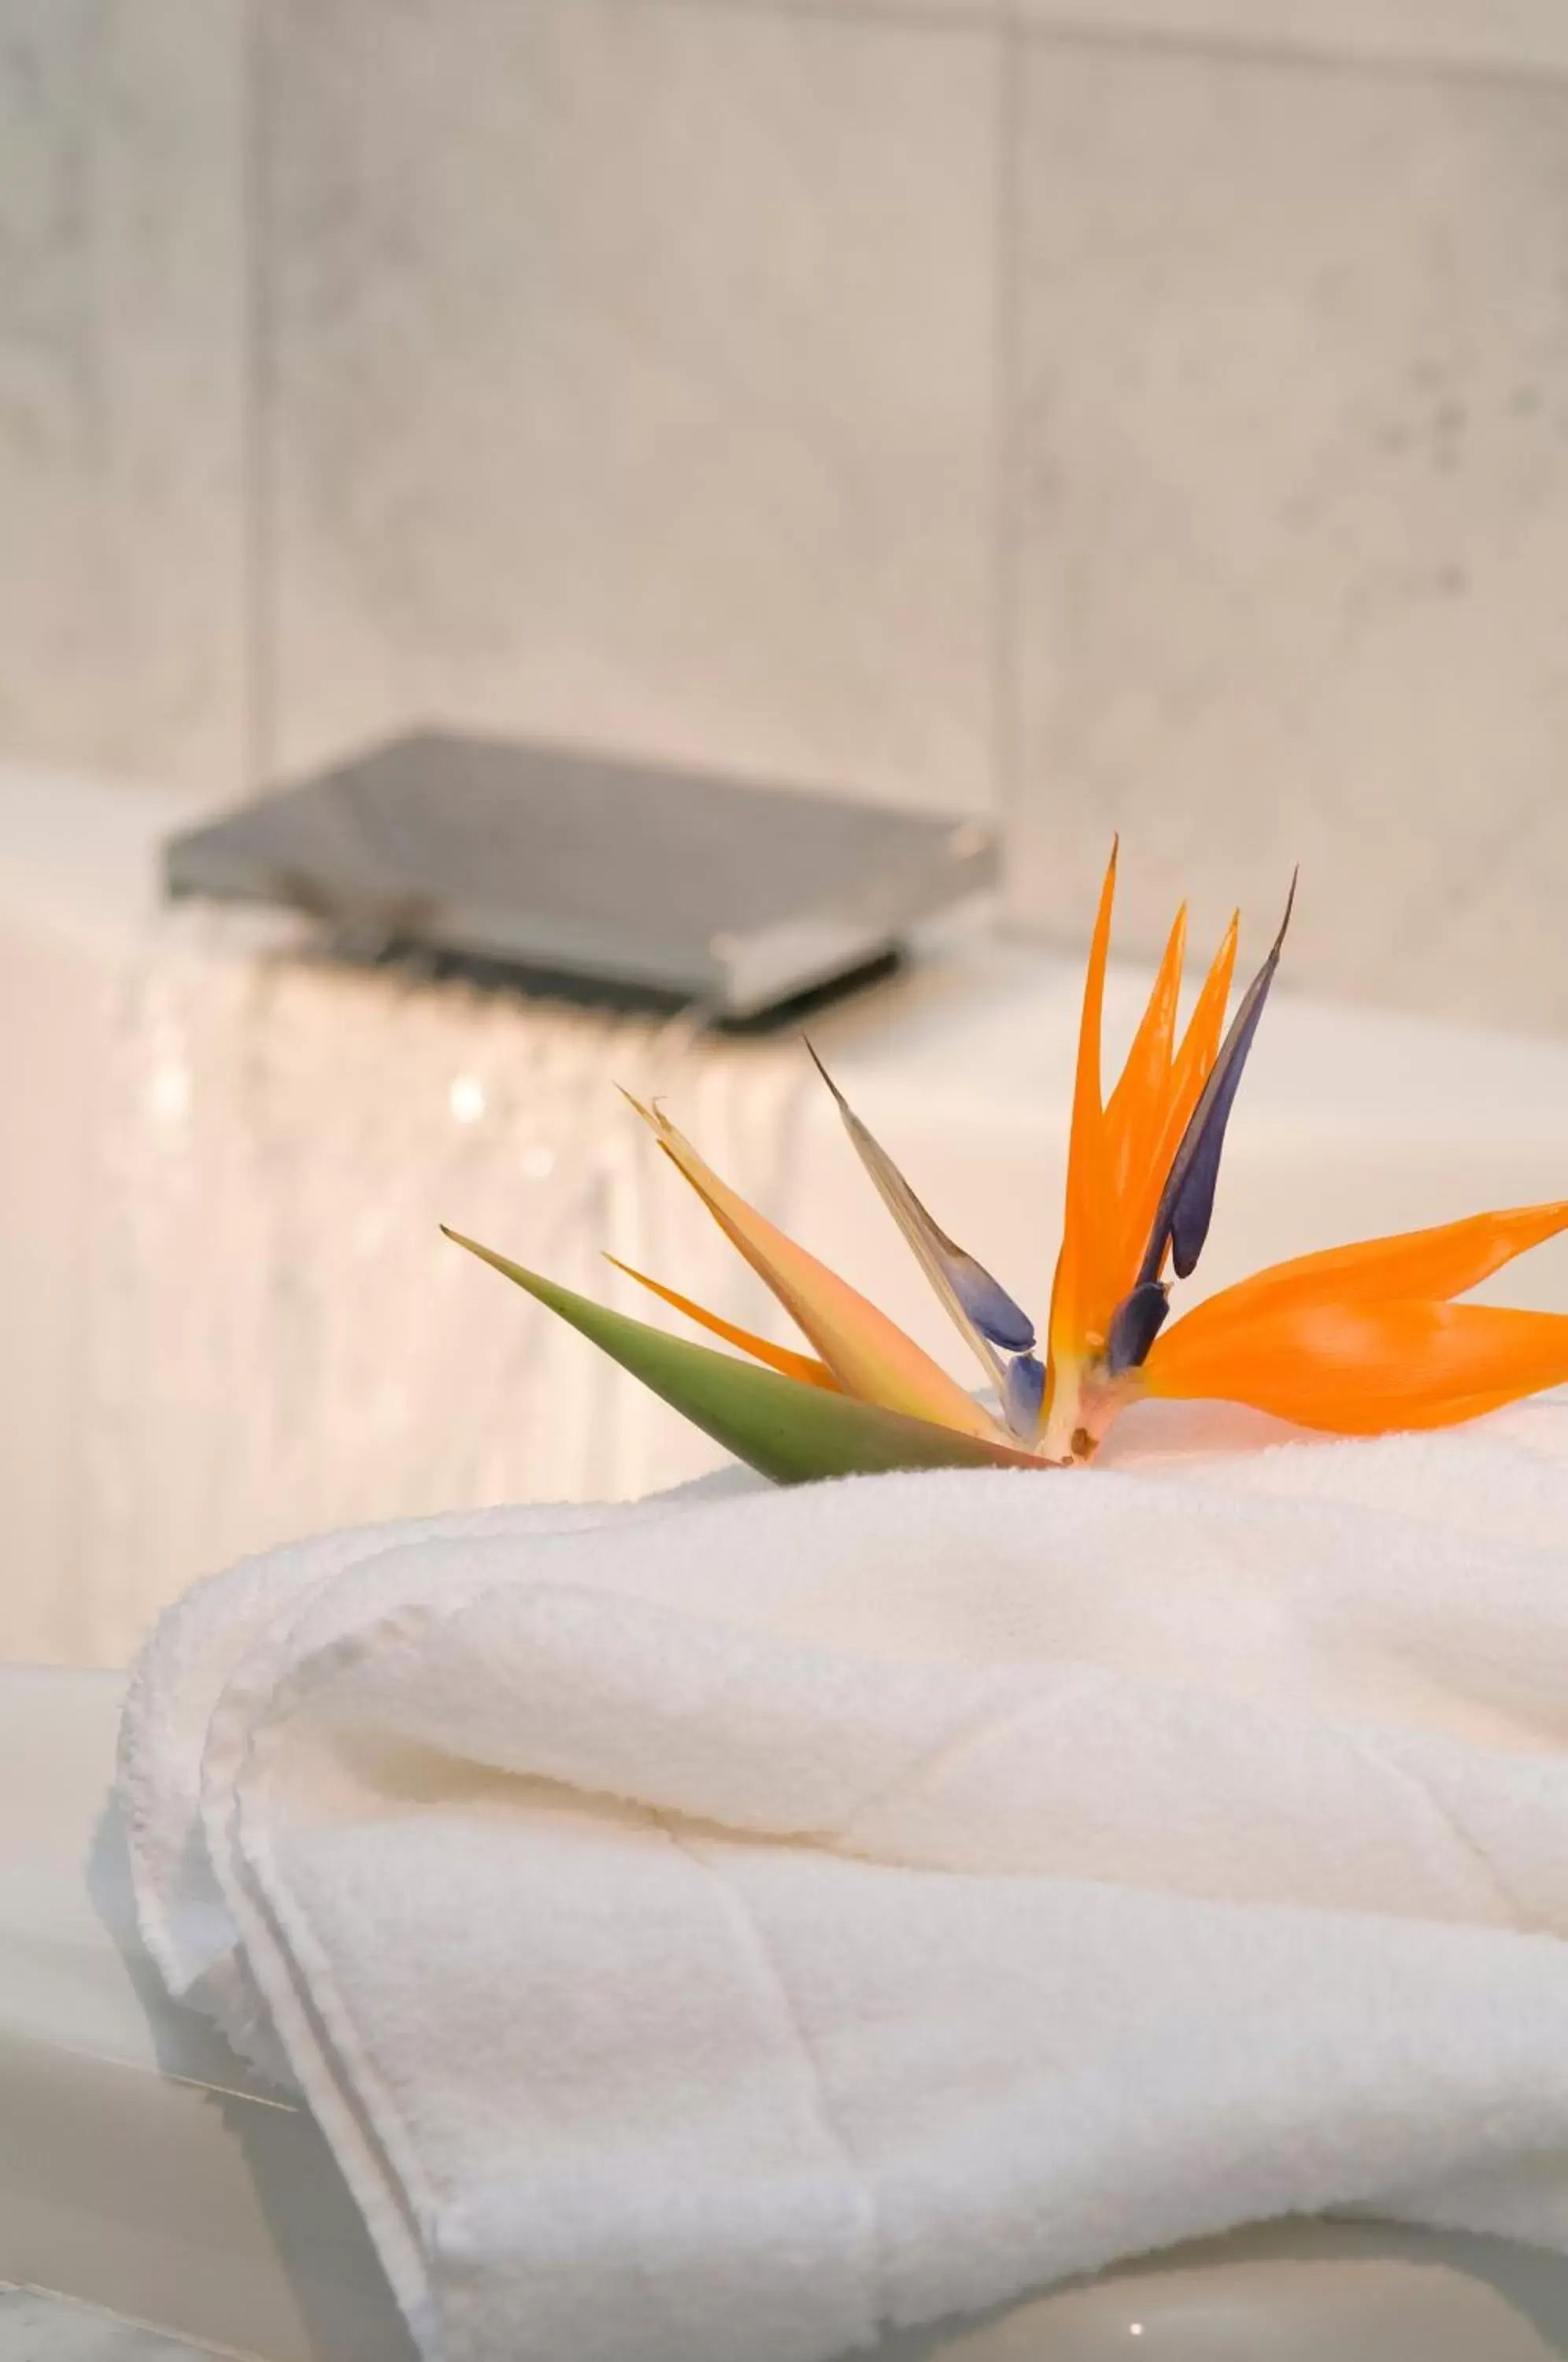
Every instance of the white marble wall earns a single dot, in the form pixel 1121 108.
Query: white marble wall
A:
pixel 122 387
pixel 1139 413
pixel 631 381
pixel 1291 511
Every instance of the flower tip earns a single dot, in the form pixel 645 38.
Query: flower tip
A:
pixel 811 1053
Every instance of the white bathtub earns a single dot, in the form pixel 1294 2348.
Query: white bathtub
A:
pixel 229 1316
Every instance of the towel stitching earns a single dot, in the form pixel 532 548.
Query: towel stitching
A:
pixel 991 1721
pixel 1526 1920
pixel 996 1715
pixel 872 2237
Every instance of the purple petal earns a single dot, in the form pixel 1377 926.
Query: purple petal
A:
pixel 1135 1324
pixel 1023 1391
pixel 985 1299
pixel 1187 1202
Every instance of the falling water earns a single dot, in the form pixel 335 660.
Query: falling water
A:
pixel 278 1338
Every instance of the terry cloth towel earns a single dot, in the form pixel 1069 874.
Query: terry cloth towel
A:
pixel 729 1926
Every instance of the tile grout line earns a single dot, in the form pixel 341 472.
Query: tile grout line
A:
pixel 140 2341
pixel 255 557
pixel 1008 297
pixel 1071 30
pixel 1078 28
pixel 899 16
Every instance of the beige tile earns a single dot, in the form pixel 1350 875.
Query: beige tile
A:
pixel 121 312
pixel 631 384
pixel 1291 498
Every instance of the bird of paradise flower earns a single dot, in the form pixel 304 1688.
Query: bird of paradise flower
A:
pixel 1357 1339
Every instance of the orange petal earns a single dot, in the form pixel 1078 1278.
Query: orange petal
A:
pixel 1441 1263
pixel 1135 1117
pixel 803 1367
pixel 1085 1286
pixel 1360 1368
pixel 869 1355
pixel 1200 1043
pixel 1136 1106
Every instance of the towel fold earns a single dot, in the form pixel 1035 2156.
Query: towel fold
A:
pixel 732 1925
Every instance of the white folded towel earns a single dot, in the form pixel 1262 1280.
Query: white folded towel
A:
pixel 728 1926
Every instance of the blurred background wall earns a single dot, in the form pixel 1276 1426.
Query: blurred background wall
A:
pixel 1148 414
